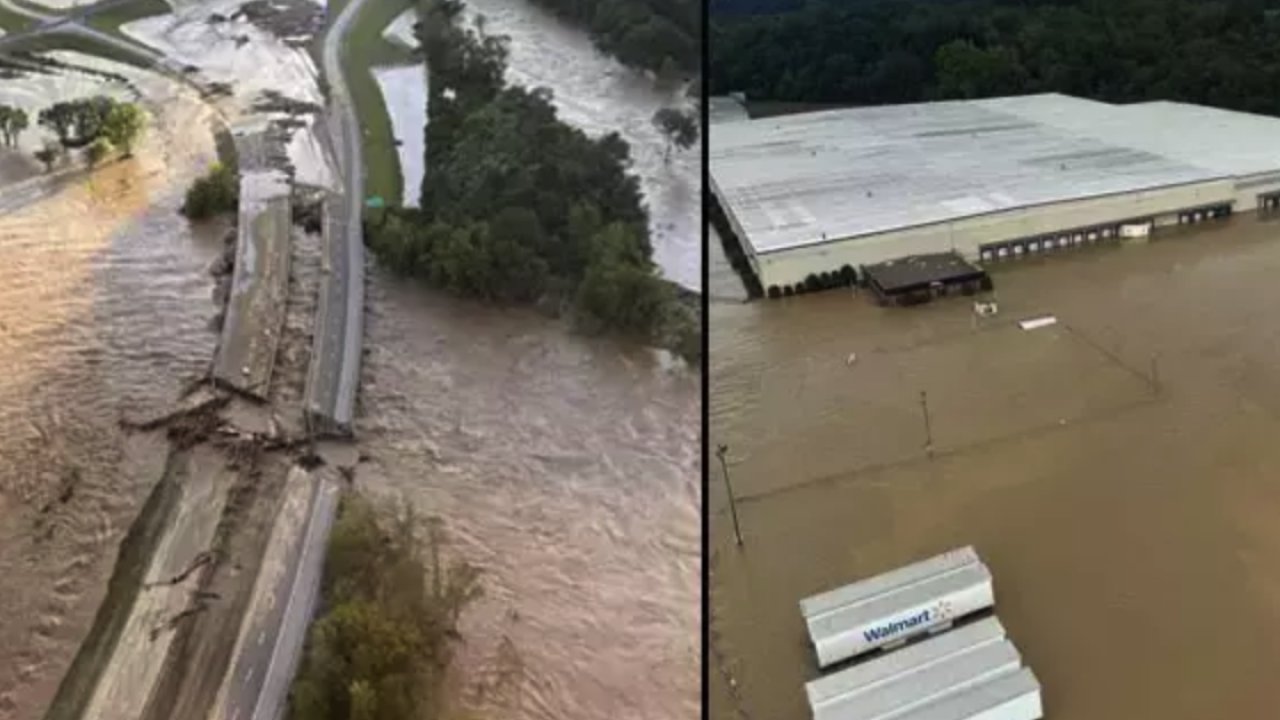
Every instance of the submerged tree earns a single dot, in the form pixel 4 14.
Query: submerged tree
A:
pixel 78 122
pixel 59 117
pixel 97 151
pixel 678 127
pixel 12 122
pixel 49 154
pixel 123 126
pixel 217 192
pixel 382 645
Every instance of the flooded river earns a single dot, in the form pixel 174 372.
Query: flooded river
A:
pixel 1117 471
pixel 105 305
pixel 596 93
pixel 568 470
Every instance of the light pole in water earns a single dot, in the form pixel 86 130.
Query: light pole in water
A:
pixel 733 510
pixel 928 427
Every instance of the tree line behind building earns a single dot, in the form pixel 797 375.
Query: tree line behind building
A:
pixel 1224 53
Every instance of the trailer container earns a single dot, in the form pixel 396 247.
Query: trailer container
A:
pixel 926 684
pixel 830 696
pixel 1013 696
pixel 888 609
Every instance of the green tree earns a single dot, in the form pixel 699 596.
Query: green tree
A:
pixel 18 122
pixel 523 207
pixel 383 641
pixel 89 118
pixel 77 122
pixel 97 151
pixel 217 192
pixel 123 126
pixel 662 36
pixel 59 117
pixel 49 154
pixel 617 292
pixel 680 128
pixel 12 122
pixel 967 71
pixel 5 113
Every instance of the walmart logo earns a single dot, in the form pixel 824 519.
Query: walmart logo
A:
pixel 897 627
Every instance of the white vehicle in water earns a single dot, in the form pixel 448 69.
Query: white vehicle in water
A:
pixel 889 609
pixel 1135 230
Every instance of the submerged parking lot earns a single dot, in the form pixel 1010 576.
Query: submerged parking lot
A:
pixel 1118 471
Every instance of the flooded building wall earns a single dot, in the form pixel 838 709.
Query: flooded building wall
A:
pixel 966 236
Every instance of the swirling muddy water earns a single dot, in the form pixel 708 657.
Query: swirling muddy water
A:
pixel 568 470
pixel 598 94
pixel 1129 523
pixel 105 310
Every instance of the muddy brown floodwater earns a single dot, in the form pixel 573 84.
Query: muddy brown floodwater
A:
pixel 568 470
pixel 1119 472
pixel 105 306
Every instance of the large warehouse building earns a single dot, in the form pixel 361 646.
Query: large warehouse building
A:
pixel 813 193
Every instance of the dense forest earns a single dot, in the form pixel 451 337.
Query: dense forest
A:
pixel 664 36
pixel 523 208
pixel 1224 53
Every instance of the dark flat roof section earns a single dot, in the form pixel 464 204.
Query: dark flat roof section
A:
pixel 918 272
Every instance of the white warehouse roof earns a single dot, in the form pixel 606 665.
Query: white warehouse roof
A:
pixel 801 179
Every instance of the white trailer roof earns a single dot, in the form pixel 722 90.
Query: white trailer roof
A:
pixel 924 684
pixel 868 676
pixel 890 608
pixel 801 179
pixel 871 587
pixel 1014 696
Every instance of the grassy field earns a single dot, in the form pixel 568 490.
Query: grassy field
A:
pixel 110 20
pixel 365 49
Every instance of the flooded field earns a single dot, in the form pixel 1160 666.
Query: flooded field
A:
pixel 597 94
pixel 404 90
pixel 568 470
pixel 271 76
pixel 1117 471
pixel 105 311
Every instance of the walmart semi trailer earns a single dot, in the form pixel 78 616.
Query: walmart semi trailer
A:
pixel 889 609
pixel 929 677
